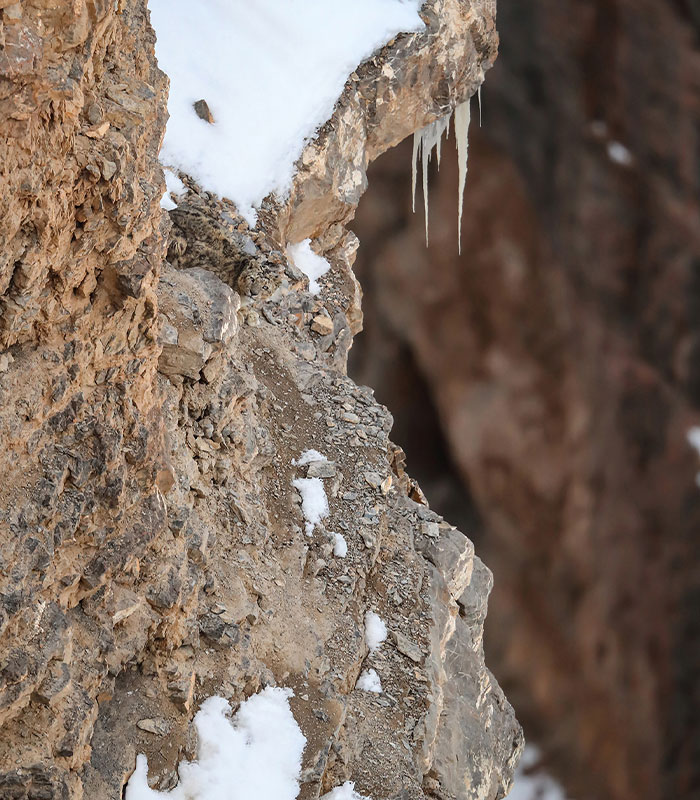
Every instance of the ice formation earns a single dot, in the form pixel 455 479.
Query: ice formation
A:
pixel 424 142
pixel 430 138
pixel 462 119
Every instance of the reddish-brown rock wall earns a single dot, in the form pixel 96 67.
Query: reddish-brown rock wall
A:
pixel 562 352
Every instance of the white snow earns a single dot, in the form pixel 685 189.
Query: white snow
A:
pixel 270 72
pixel 369 681
pixel 308 262
pixel 340 546
pixel 694 441
pixel 314 503
pixel 344 792
pixel 375 630
pixel 619 154
pixel 309 457
pixel 173 185
pixel 256 755
pixel 537 785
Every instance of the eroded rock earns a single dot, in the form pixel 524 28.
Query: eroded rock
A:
pixel 156 554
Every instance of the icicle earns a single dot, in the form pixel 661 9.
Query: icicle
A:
pixel 462 118
pixel 416 147
pixel 478 97
pixel 425 141
pixel 444 128
pixel 425 156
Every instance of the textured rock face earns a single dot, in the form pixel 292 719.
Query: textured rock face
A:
pixel 151 542
pixel 561 355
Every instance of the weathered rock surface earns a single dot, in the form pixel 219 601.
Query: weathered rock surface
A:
pixel 151 542
pixel 561 354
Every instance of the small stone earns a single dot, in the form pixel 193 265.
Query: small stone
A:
pixel 430 529
pixel 157 725
pixel 319 564
pixel 407 647
pixel 125 604
pixel 94 114
pixel 13 12
pixel 99 131
pixel 348 416
pixel 322 324
pixel 203 111
pixel 373 479
pixel 109 169
pixel 54 685
pixel 321 469
pixel 368 538
pixel 386 484
pixel 182 691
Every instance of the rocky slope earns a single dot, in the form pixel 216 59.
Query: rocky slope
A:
pixel 158 378
pixel 561 353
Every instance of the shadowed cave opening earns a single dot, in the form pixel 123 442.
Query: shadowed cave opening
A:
pixel 418 432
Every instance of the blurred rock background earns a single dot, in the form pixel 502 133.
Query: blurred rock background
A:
pixel 544 382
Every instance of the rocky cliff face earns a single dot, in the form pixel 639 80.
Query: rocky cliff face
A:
pixel 158 378
pixel 561 353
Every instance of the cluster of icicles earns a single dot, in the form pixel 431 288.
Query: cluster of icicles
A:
pixel 430 138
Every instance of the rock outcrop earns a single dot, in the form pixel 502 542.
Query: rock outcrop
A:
pixel 561 354
pixel 159 377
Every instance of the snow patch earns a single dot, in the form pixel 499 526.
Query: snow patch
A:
pixel 340 546
pixel 308 262
pixel 309 457
pixel 619 154
pixel 256 755
pixel 375 630
pixel 693 436
pixel 173 186
pixel 369 681
pixel 529 783
pixel 270 73
pixel 344 792
pixel 314 503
